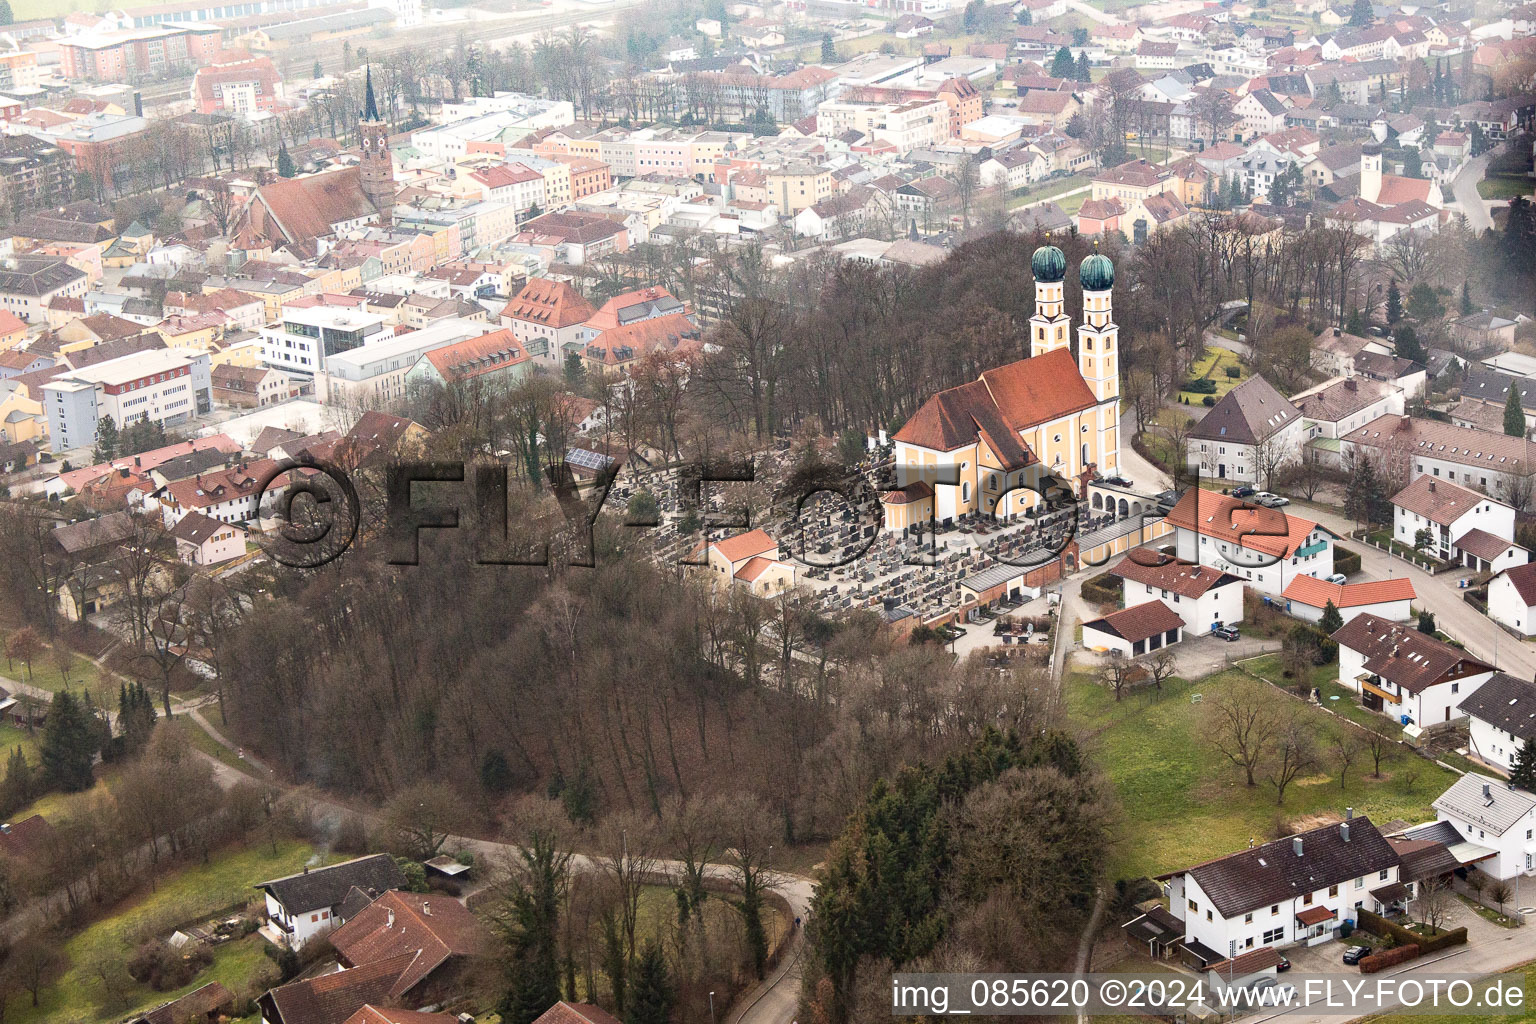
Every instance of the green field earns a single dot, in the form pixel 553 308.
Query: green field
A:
pixel 1049 190
pixel 1184 802
pixel 1505 188
pixel 48 676
pixel 1213 365
pixel 181 897
pixel 1525 975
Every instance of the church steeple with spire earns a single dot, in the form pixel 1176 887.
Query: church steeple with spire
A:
pixel 377 170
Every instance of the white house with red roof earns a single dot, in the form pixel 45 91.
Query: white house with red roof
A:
pixel 749 560
pixel 202 540
pixel 1463 526
pixel 1306 597
pixel 1405 674
pixel 1202 596
pixel 1512 598
pixel 548 318
pixel 1134 631
pixel 1265 547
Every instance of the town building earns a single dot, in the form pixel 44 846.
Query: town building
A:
pixel 748 560
pixel 202 540
pixel 1135 630
pixel 1203 596
pixel 1251 432
pixel 1307 597
pixel 1495 821
pixel 165 386
pixel 304 905
pixel 135 55
pixel 1451 523
pixel 1512 598
pixel 1266 547
pixel 308 335
pixel 1409 676
pixel 1501 716
pixel 29 283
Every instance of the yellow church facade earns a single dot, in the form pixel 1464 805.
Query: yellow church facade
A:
pixel 1049 421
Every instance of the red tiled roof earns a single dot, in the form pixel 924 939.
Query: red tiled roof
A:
pixel 1401 654
pixel 1138 622
pixel 1006 400
pixel 1315 915
pixel 475 357
pixel 305 208
pixel 1484 544
pixel 744 546
pixel 210 489
pixel 1524 579
pixel 1224 517
pixel 1439 501
pixel 549 303
pixel 575 1013
pixel 1316 593
pixel 432 927
pixel 1183 578
pixel 332 998
pixel 755 567
pixel 621 345
pixel 371 1014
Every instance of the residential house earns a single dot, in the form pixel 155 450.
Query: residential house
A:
pixel 1281 893
pixel 1408 447
pixel 336 997
pixel 546 318
pixel 1334 351
pixel 201 540
pixel 495 359
pixel 1201 595
pixel 206 1004
pixel 1250 433
pixel 1496 821
pixel 444 935
pixel 1404 674
pixel 251 387
pixel 1307 597
pixel 1268 548
pixel 1502 717
pixel 310 903
pixel 1512 598
pixel 1454 524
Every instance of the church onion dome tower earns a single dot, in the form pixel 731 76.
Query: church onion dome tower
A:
pixel 1097 273
pixel 1049 264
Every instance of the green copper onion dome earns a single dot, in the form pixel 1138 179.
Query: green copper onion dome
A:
pixel 1049 264
pixel 1097 273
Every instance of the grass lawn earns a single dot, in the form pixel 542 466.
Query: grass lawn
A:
pixel 46 674
pixel 1505 188
pixel 1326 679
pixel 181 897
pixel 1051 188
pixel 11 737
pixel 1213 365
pixel 1184 802
pixel 1522 976
pixel 198 738
pixel 1385 539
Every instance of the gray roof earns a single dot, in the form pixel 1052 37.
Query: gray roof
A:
pixel 324 888
pixel 1504 702
pixel 1273 873
pixel 113 528
pixel 1488 803
pixel 1492 386
pixel 1250 413
pixel 28 275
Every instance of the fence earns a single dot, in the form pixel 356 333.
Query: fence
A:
pixel 1380 926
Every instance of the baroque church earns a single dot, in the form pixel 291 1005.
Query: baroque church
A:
pixel 1048 417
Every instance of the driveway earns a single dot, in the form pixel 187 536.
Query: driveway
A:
pixel 1483 637
pixel 1464 187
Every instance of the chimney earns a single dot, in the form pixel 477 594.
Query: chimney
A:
pixel 426 908
pixel 1349 812
pixel 306 869
pixel 1344 831
pixel 1337 332
pixel 1487 791
pixel 1351 385
pixel 389 921
pixel 1431 487
pixel 1296 845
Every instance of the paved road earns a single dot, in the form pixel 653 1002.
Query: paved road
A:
pixel 1465 190
pixel 1483 637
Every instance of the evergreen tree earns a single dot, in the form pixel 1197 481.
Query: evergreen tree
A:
pixel 650 996
pixel 1514 415
pixel 575 372
pixel 1413 163
pixel 1408 346
pixel 106 439
pixel 1061 64
pixel 1331 621
pixel 20 784
pixel 828 49
pixel 1427 623
pixel 1024 17
pixel 1523 768
pixel 1365 492
pixel 319 72
pixel 528 920
pixel 1360 14
pixel 1423 303
pixel 135 716
pixel 70 743
pixel 1466 299
pixel 1356 323
pixel 1394 303
pixel 1083 72
pixel 6 17
pixel 972 17
pixel 285 167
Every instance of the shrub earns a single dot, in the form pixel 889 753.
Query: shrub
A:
pixel 1234 372
pixel 1200 386
pixel 1207 401
pixel 1345 560
pixel 1391 958
pixel 1102 589
pixel 162 967
pixel 351 835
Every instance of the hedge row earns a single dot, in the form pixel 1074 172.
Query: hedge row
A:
pixel 1345 560
pixel 1388 958
pixel 1102 589
pixel 1378 925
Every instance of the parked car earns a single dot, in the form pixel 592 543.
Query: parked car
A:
pixel 1337 577
pixel 1283 965
pixel 1243 492
pixel 1354 954
pixel 1226 633
pixel 1269 500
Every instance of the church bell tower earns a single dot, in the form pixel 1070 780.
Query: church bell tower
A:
pixel 1048 327
pixel 377 170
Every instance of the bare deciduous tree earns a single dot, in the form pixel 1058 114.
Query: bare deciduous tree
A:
pixel 1243 725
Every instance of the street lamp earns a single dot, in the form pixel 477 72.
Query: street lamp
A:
pixel 711 1008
